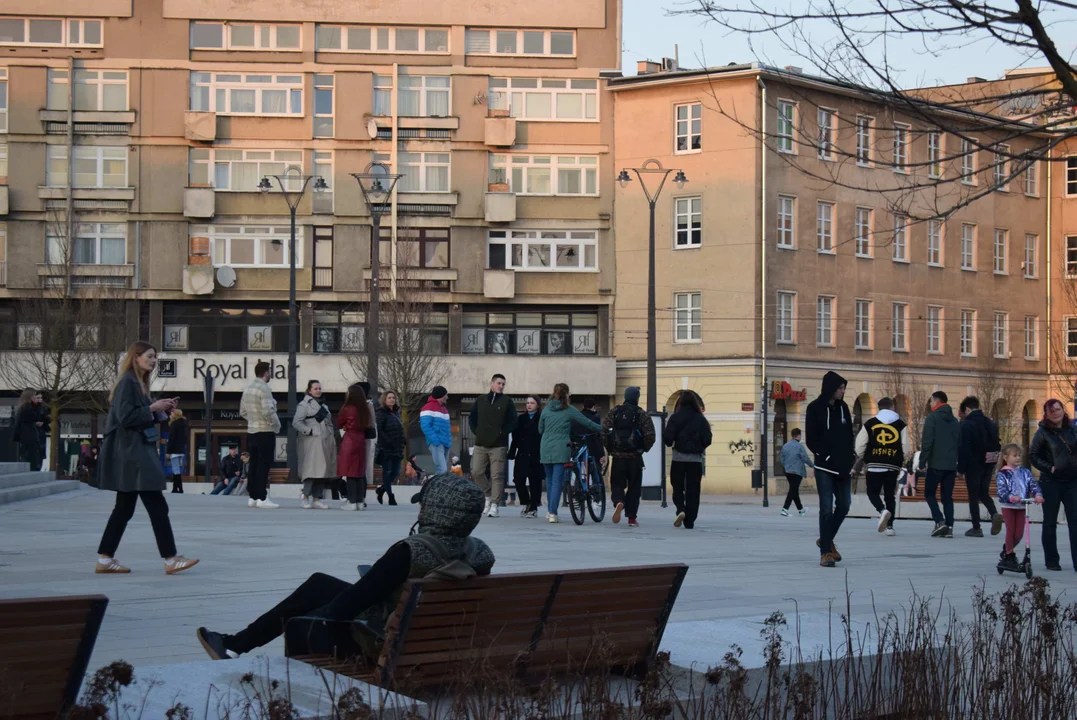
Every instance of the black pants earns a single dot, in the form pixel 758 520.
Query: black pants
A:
pixel 793 496
pixel 31 453
pixel 528 477
pixel 261 447
pixel 157 508
pixel 978 481
pixel 935 480
pixel 626 483
pixel 886 481
pixel 686 478
pixel 1056 495
pixel 356 489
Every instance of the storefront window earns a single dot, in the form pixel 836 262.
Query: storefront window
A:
pixel 225 329
pixel 345 331
pixel 530 333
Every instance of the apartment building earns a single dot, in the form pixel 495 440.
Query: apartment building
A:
pixel 497 117
pixel 821 228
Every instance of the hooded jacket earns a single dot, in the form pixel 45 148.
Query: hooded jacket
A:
pixel 526 440
pixel 941 440
pixel 644 426
pixel 886 417
pixel 434 421
pixel 555 426
pixel 1055 448
pixel 687 432
pixel 828 429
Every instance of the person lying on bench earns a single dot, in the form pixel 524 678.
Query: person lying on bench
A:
pixel 325 608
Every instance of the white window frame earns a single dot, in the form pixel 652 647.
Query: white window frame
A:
pixel 1071 176
pixel 864 324
pixel 1032 337
pixel 686 128
pixel 68 32
pixel 689 210
pixel 1000 335
pixel 934 155
pixel 785 331
pixel 968 333
pixel 98 79
pixel 415 172
pixel 290 83
pixel 425 89
pixel 827 120
pixel 1000 252
pixel 516 171
pixel 472 38
pixel 322 166
pixel 324 83
pixel 824 320
pixel 99 154
pixel 508 93
pixel 865 140
pixel 382 40
pixel 787 226
pixel 901 147
pixel 785 130
pixel 3 100
pixel 688 317
pixel 267 162
pixel 1071 256
pixel 3 174
pixel 97 233
pixel 900 247
pixel 969 235
pixel 969 150
pixel 1032 179
pixel 899 330
pixel 824 226
pixel 265 37
pixel 935 322
pixel 583 240
pixel 1002 168
pixel 1070 341
pixel 863 231
pixel 1032 256
pixel 935 244
pixel 221 237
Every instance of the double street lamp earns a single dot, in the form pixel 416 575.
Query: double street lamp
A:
pixel 292 184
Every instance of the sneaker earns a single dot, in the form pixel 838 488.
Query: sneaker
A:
pixel 110 567
pixel 884 520
pixel 349 506
pixel 827 560
pixel 551 518
pixel 252 503
pixel 949 532
pixel 523 512
pixel 178 564
pixel 890 532
pixel 785 513
pixel 1010 563
pixel 802 513
pixel 632 523
pixel 213 643
pixel 307 504
pixel 974 532
pixel 679 520
pixel 266 504
pixel 996 523
pixel 1056 567
pixel 493 511
pixel 319 505
pixel 486 507
pixel 617 513
pixel 939 531
pixel 361 506
pixel 530 513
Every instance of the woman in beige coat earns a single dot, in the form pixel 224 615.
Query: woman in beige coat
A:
pixel 317 446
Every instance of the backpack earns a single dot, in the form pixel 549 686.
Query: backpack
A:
pixel 625 435
pixel 992 443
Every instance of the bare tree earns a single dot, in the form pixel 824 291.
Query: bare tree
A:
pixel 910 397
pixel 1002 398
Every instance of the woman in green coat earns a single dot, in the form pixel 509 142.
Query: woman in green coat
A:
pixel 555 426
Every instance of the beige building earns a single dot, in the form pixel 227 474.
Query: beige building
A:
pixel 805 240
pixel 497 116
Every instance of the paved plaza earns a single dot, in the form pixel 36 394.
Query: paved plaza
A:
pixel 744 562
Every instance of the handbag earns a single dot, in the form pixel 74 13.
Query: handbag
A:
pixel 151 435
pixel 322 414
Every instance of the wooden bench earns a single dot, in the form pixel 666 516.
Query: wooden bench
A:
pixel 961 492
pixel 45 647
pixel 533 625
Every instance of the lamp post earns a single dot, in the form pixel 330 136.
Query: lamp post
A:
pixel 292 185
pixel 653 170
pixel 377 185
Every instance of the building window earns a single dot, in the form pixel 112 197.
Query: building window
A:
pixel 824 227
pixel 211 327
pixel 1071 256
pixel 1071 175
pixel 827 128
pixel 242 170
pixel 95 90
pixel 934 243
pixel 968 333
pixel 901 148
pixel 1001 327
pixel 249 245
pixel 968 161
pixel 416 248
pixel 824 321
pixel 864 311
pixel 383 95
pixel 96 166
pixel 901 244
pixel 968 246
pixel 1032 337
pixel 1032 179
pixel 934 329
pixel 1002 168
pixel 322 278
pixel 482 41
pixel 934 155
pixel 786 222
pixel 688 127
pixel 546 174
pixel 999 254
pixel 1071 337
pixel 245 36
pixel 323 106
pixel 1032 244
pixel 424 96
pixel 863 140
pixel 421 172
pixel 688 317
pixel 3 174
pixel 367 39
pixel 247 94
pixel 543 250
pixel 530 333
pixel 786 329
pixel 545 99
pixel 689 222
pixel 786 122
pixel 3 100
pixel 95 244
pixel 322 202
pixel 899 341
pixel 863 231
pixel 55 32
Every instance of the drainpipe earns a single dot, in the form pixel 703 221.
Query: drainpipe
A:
pixel 1050 308
pixel 764 450
pixel 69 199
pixel 394 99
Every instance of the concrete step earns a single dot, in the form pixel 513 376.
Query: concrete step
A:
pixel 37 490
pixel 7 468
pixel 14 480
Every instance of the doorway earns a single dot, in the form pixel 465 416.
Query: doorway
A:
pixel 780 436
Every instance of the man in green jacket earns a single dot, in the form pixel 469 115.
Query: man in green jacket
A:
pixel 492 420
pixel 939 446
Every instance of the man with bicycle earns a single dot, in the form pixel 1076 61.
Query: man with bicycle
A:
pixel 627 433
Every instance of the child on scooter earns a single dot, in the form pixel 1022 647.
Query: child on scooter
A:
pixel 1015 483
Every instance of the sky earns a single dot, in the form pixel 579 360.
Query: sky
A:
pixel 649 33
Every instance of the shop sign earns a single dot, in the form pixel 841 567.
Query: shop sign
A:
pixel 781 390
pixel 241 370
pixel 747 407
pixel 166 368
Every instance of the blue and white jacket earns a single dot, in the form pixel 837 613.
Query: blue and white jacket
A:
pixel 1016 482
pixel 434 421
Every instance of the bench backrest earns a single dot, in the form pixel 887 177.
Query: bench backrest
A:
pixel 45 647
pixel 532 623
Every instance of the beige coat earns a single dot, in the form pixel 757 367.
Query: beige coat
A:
pixel 317 442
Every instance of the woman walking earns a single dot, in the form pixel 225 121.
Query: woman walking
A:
pixel 689 434
pixel 555 426
pixel 358 427
pixel 391 442
pixel 129 464
pixel 1054 453
pixel 317 445
pixel 176 449
pixel 527 470
pixel 28 422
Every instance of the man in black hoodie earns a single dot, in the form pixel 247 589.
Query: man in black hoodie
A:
pixel 976 458
pixel 829 430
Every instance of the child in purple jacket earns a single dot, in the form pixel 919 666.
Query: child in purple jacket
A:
pixel 1015 483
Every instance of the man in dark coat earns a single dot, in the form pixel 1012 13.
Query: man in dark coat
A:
pixel 979 445
pixel 940 444
pixel 829 435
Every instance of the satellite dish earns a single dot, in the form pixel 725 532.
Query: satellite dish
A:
pixel 372 129
pixel 226 276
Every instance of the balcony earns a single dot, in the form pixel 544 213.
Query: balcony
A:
pixel 500 207
pixel 500 131
pixel 199 202
pixel 499 284
pixel 83 275
pixel 200 126
pixel 89 122
pixel 437 279
pixel 117 199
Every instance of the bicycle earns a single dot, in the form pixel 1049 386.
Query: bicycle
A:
pixel 583 484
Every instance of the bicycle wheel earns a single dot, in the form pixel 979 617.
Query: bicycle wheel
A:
pixel 574 494
pixel 596 496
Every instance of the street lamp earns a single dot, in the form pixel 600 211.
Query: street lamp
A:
pixel 377 185
pixel 651 169
pixel 292 185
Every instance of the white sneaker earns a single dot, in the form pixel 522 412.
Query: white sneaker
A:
pixel 802 512
pixel 493 511
pixel 349 506
pixel 890 532
pixel 307 504
pixel 551 518
pixel 267 505
pixel 252 503
pixel 884 520
pixel 486 507
pixel 362 506
pixel 785 513
pixel 319 505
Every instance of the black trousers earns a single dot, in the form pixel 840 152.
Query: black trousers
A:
pixel 261 447
pixel 31 453
pixel 978 481
pixel 356 490
pixel 626 483
pixel 793 496
pixel 157 508
pixel 1056 495
pixel 885 481
pixel 686 478
pixel 528 477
